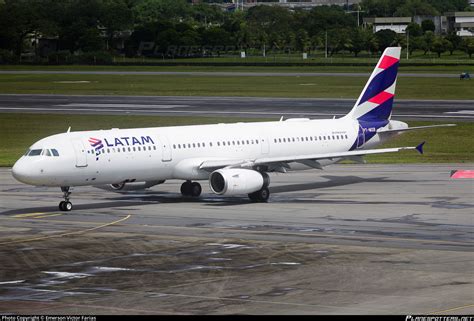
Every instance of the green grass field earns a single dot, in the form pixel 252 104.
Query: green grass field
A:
pixel 19 131
pixel 285 86
pixel 194 68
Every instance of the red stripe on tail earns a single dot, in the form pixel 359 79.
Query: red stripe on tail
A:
pixel 381 98
pixel 387 62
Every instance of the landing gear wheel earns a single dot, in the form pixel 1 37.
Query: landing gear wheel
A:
pixel 196 189
pixel 186 188
pixel 260 196
pixel 192 189
pixel 65 206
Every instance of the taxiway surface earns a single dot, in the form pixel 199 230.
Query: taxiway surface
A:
pixel 446 110
pixel 352 239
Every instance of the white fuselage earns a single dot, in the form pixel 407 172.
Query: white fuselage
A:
pixel 156 154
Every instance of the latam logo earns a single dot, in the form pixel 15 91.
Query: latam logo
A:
pixel 97 145
pixel 129 141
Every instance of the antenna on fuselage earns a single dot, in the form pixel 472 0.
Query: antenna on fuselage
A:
pixel 281 119
pixel 69 129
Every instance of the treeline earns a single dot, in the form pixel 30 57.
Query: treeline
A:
pixel 99 29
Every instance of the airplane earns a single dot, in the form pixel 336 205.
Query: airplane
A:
pixel 235 158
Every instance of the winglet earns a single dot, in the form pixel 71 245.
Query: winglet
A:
pixel 419 148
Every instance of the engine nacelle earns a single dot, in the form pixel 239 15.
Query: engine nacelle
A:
pixel 233 181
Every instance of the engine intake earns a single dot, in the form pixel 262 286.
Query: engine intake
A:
pixel 234 181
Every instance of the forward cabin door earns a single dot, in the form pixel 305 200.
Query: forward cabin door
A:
pixel 80 151
pixel 166 149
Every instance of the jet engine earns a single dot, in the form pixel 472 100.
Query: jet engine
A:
pixel 233 181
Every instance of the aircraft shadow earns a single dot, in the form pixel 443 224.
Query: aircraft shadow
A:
pixel 125 200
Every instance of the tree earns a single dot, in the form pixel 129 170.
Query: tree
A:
pixel 302 40
pixel 427 42
pixel 385 38
pixel 428 25
pixel 468 46
pixel 149 11
pixel 414 29
pixel 416 7
pixel 440 45
pixel 456 42
pixel 359 40
pixel 116 16
pixel 18 19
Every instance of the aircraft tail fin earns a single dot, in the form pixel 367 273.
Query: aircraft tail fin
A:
pixel 376 100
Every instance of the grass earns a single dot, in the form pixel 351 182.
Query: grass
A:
pixel 284 86
pixel 191 68
pixel 19 131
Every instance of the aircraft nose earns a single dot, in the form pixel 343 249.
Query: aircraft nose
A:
pixel 20 172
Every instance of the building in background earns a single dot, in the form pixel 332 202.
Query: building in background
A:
pixel 440 22
pixel 397 24
pixel 461 22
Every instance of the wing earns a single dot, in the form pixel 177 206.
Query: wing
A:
pixel 309 160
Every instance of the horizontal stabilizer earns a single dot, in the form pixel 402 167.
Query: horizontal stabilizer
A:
pixel 419 148
pixel 381 131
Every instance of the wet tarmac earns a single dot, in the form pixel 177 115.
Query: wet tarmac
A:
pixel 352 239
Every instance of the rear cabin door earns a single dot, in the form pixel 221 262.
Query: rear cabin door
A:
pixel 80 151
pixel 361 137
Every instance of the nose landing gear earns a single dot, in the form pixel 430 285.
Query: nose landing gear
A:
pixel 65 205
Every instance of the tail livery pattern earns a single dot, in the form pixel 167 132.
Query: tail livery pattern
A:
pixel 376 100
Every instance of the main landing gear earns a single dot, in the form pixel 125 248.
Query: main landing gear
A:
pixel 65 205
pixel 260 196
pixel 192 189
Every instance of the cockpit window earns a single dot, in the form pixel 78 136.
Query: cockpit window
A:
pixel 46 152
pixel 35 152
pixel 55 152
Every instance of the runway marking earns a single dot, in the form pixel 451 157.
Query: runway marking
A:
pixel 453 309
pixel 66 234
pixel 28 214
pixel 469 112
pixel 122 105
pixel 239 300
pixel 49 215
pixel 313 235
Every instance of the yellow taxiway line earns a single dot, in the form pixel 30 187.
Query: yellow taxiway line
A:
pixel 68 233
pixel 452 309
